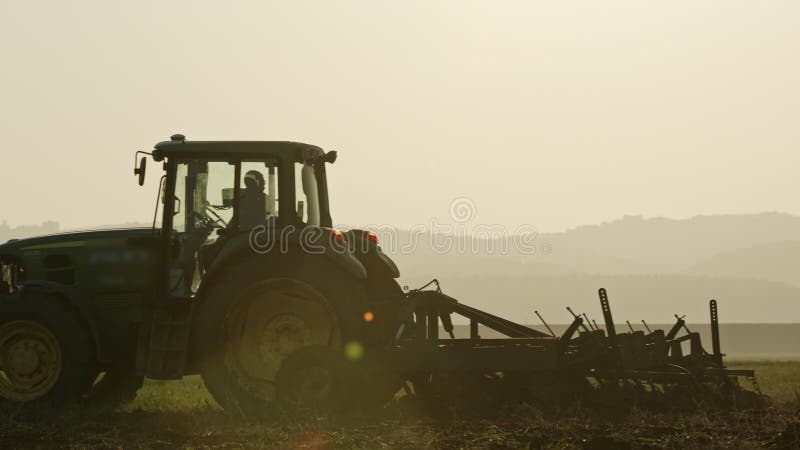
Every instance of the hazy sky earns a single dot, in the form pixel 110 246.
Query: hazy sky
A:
pixel 546 113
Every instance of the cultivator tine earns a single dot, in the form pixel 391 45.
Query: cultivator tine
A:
pixel 447 323
pixel 590 322
pixel 695 345
pixel 433 323
pixel 580 324
pixel 629 325
pixel 420 323
pixel 646 327
pixel 473 329
pixel 675 328
pixel 570 331
pixel 714 327
pixel 610 329
pixel 595 325
pixel 545 323
pixel 712 306
pixel 683 324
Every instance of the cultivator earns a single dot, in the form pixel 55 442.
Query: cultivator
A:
pixel 584 355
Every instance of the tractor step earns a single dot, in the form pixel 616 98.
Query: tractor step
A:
pixel 166 343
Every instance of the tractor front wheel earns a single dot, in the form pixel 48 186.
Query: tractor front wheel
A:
pixel 46 351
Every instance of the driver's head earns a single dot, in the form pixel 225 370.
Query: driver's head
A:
pixel 254 181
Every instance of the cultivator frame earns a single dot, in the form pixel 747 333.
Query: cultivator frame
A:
pixel 583 350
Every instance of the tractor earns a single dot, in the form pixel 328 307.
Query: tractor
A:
pixel 90 314
pixel 243 280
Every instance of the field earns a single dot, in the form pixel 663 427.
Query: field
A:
pixel 183 415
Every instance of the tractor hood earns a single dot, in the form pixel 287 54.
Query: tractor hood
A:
pixel 75 240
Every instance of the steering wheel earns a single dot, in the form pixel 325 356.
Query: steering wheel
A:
pixel 218 221
pixel 210 222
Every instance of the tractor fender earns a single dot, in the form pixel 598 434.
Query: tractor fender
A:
pixel 70 295
pixel 388 264
pixel 239 247
pixel 364 245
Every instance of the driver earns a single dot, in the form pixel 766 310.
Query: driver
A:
pixel 252 212
pixel 252 201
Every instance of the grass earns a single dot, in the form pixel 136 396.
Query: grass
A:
pixel 779 379
pixel 183 415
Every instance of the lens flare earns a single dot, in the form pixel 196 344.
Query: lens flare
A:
pixel 353 351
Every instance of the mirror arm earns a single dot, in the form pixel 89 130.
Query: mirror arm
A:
pixel 136 156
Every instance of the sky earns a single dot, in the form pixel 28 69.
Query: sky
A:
pixel 550 114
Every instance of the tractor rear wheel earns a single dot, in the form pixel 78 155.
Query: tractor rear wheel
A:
pixel 46 351
pixel 253 324
pixel 315 380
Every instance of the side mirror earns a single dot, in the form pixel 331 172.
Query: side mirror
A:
pixel 141 170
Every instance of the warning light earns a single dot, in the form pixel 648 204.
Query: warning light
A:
pixel 373 237
pixel 369 316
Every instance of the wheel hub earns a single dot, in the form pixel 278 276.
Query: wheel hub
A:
pixel 30 360
pixel 284 334
pixel 267 324
pixel 23 358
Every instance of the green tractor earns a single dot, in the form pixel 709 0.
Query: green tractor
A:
pixel 241 279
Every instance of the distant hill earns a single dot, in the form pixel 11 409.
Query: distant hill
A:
pixel 774 261
pixel 761 246
pixel 674 245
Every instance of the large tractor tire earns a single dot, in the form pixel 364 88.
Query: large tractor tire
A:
pixel 315 380
pixel 249 323
pixel 46 351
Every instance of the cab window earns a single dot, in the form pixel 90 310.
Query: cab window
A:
pixel 203 208
pixel 207 210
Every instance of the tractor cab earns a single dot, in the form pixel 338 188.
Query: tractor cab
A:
pixel 214 192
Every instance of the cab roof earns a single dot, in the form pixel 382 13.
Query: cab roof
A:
pixel 236 150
